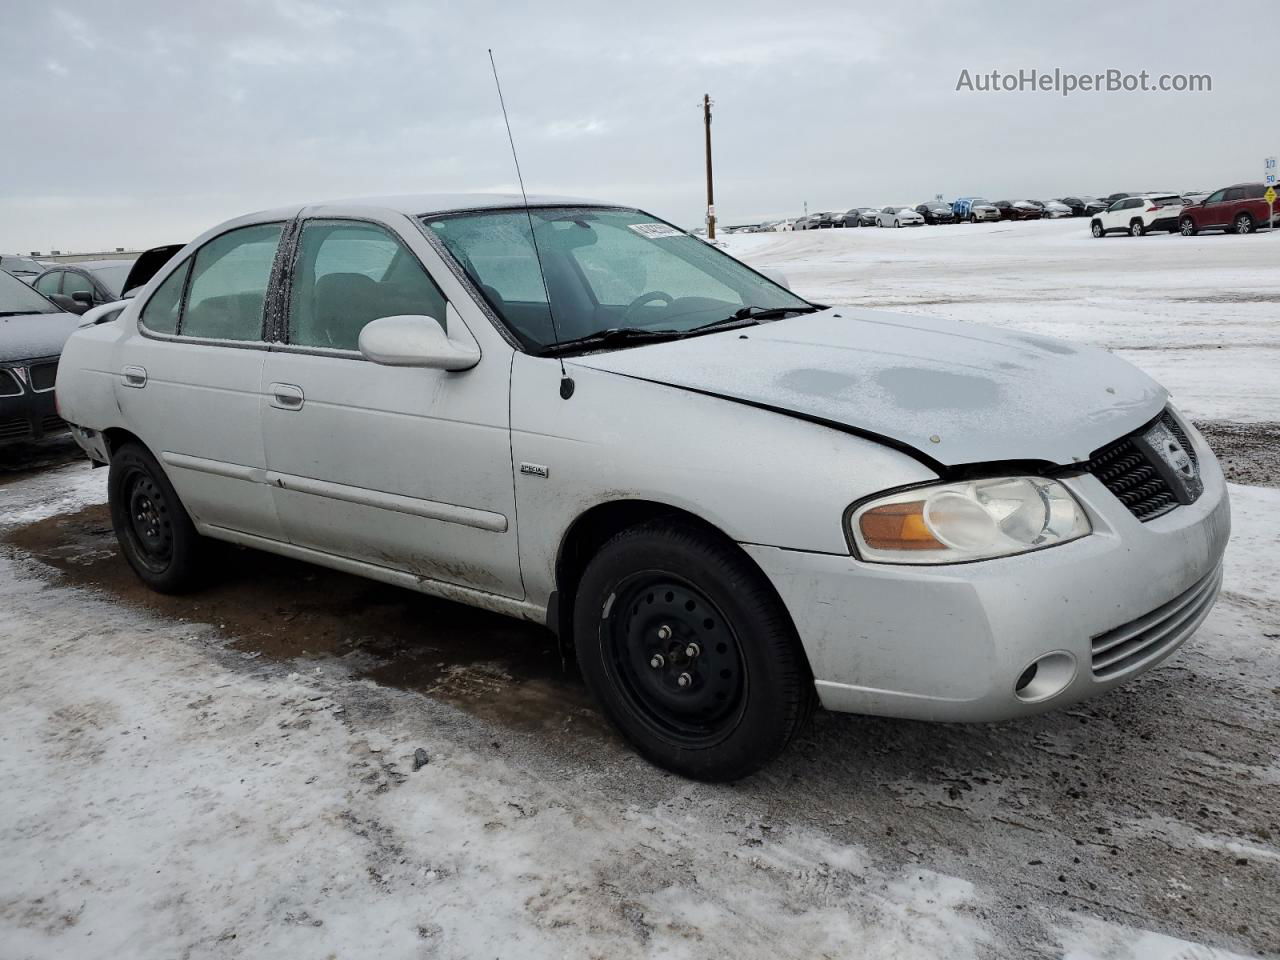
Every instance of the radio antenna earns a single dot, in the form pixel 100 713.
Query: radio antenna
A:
pixel 566 383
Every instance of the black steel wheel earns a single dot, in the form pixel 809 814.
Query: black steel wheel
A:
pixel 689 651
pixel 150 527
pixel 154 531
pixel 675 657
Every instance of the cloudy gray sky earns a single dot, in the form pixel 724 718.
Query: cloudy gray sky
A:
pixel 135 123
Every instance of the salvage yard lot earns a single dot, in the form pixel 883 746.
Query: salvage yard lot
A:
pixel 233 773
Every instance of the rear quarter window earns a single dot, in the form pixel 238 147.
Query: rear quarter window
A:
pixel 161 312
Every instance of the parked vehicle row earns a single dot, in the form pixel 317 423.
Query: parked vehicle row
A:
pixel 1240 208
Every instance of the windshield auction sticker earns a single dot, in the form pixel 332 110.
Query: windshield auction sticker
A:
pixel 655 231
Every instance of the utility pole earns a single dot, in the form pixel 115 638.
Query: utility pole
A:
pixel 711 199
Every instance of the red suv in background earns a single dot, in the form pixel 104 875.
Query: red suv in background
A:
pixel 1240 208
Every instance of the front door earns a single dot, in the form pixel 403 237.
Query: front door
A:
pixel 405 468
pixel 1213 213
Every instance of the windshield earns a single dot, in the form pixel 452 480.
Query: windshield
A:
pixel 113 275
pixel 606 269
pixel 20 266
pixel 17 298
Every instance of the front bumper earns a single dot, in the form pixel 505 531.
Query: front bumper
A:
pixel 31 414
pixel 951 642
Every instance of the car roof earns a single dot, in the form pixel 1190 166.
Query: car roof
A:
pixel 93 264
pixel 409 205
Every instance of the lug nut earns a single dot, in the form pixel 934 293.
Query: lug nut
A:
pixel 692 650
pixel 664 632
pixel 658 661
pixel 684 679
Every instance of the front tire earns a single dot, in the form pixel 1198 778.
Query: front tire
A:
pixel 155 532
pixel 688 650
pixel 1096 229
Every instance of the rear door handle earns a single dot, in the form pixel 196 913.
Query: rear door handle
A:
pixel 134 376
pixel 287 396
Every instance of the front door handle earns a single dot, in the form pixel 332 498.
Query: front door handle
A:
pixel 287 396
pixel 134 376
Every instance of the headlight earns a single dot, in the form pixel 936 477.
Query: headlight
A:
pixel 972 520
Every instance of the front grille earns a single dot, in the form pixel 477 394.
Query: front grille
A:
pixel 1125 470
pixel 15 428
pixel 54 424
pixel 9 384
pixel 1150 637
pixel 43 375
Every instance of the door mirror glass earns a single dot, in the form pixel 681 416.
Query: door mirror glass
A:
pixel 83 296
pixel 67 304
pixel 414 341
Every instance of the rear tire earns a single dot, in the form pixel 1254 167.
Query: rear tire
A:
pixel 689 651
pixel 155 532
pixel 1137 228
pixel 1244 224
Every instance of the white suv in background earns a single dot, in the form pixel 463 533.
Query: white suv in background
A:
pixel 1138 215
pixel 899 216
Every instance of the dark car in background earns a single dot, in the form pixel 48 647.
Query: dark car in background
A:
pixel 32 332
pixel 866 215
pixel 81 286
pixel 1018 210
pixel 24 268
pixel 1241 208
pixel 78 287
pixel 936 211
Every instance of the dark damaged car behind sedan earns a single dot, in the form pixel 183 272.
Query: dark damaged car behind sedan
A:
pixel 32 332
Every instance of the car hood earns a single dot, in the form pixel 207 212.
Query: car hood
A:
pixel 955 393
pixel 35 335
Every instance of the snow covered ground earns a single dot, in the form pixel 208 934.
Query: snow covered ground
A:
pixel 177 781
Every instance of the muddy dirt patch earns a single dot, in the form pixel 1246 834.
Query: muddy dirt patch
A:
pixel 494 666
pixel 1248 452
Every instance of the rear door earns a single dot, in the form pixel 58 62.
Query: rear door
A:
pixel 401 467
pixel 189 378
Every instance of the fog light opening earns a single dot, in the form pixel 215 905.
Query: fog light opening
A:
pixel 1045 677
pixel 1028 675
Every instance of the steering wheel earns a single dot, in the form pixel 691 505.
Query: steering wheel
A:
pixel 644 298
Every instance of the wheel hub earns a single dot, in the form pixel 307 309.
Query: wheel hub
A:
pixel 149 527
pixel 676 657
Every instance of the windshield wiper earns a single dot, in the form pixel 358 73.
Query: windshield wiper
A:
pixel 608 338
pixel 748 316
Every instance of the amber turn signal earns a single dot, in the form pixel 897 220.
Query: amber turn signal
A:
pixel 898 526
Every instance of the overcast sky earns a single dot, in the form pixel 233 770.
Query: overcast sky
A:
pixel 137 123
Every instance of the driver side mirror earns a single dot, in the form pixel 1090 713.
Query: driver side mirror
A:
pixel 83 296
pixel 415 341
pixel 69 304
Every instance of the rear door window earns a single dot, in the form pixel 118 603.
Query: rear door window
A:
pixel 1234 193
pixel 229 280
pixel 161 312
pixel 48 284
